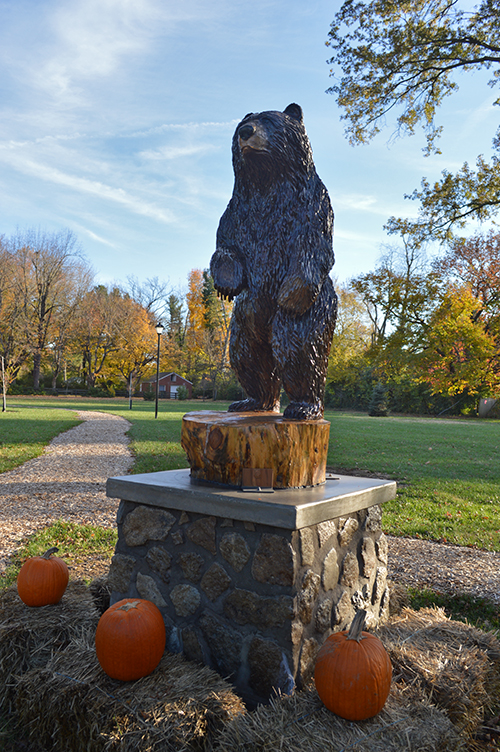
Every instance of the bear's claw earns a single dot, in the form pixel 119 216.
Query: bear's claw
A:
pixel 303 411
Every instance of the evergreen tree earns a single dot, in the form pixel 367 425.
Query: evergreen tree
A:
pixel 378 403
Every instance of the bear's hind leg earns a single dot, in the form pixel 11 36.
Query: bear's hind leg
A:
pixel 252 360
pixel 301 348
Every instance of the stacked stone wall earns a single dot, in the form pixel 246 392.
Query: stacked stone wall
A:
pixel 253 601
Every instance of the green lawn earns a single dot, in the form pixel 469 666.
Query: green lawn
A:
pixel 448 470
pixel 448 473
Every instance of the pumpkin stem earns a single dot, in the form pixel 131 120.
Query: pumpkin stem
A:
pixel 128 606
pixel 49 552
pixel 357 626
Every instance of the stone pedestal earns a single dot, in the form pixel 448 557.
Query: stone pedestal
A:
pixel 251 584
pixel 222 446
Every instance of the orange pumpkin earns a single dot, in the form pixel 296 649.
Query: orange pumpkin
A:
pixel 130 639
pixel 353 672
pixel 42 579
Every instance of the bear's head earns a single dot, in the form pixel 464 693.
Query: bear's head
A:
pixel 269 147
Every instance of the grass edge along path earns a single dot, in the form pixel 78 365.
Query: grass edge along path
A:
pixel 24 434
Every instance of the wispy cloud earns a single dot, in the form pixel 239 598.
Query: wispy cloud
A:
pixel 366 204
pixel 84 185
pixel 476 117
pixel 92 38
pixel 351 235
pixel 357 201
pixel 174 152
pixel 165 127
pixel 93 235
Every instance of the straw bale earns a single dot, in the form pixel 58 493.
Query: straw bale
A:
pixel 455 665
pixel 101 593
pixel 72 706
pixel 301 723
pixel 29 636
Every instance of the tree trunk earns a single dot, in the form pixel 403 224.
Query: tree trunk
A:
pixel 221 446
pixel 37 359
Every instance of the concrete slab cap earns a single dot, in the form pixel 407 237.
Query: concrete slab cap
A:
pixel 291 509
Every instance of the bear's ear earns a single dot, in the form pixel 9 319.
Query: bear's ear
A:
pixel 294 111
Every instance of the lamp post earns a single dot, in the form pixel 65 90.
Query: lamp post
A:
pixel 159 330
pixel 4 388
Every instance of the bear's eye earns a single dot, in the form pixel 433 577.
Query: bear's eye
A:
pixel 266 120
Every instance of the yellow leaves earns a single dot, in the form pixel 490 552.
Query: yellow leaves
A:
pixel 461 353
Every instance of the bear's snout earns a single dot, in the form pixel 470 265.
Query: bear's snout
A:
pixel 252 137
pixel 246 132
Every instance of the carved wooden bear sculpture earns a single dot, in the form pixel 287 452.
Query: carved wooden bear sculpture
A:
pixel 274 252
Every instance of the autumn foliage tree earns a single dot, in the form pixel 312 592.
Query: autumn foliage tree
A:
pixel 136 344
pixel 351 341
pixel 97 329
pixel 208 327
pixel 465 329
pixel 46 276
pixel 461 356
pixel 475 262
pixel 434 327
pixel 13 345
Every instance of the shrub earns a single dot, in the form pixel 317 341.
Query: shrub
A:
pixel 378 403
pixel 98 391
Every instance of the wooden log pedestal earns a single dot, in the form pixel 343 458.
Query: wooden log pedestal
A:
pixel 255 449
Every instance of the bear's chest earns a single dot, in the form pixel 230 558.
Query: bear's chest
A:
pixel 267 256
pixel 265 233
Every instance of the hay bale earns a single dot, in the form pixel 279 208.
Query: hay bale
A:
pixel 72 706
pixel 301 723
pixel 29 637
pixel 445 675
pixel 398 597
pixel 454 665
pixel 101 593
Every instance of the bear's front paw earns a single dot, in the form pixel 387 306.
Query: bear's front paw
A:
pixel 228 275
pixel 296 296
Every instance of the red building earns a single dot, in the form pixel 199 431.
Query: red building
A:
pixel 168 384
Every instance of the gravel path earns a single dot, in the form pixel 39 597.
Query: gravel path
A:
pixel 445 568
pixel 67 481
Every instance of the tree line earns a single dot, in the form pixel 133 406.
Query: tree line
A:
pixel 422 333
pixel 60 330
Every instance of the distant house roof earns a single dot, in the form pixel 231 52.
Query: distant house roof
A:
pixel 162 376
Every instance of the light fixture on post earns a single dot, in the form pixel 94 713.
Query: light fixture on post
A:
pixel 159 330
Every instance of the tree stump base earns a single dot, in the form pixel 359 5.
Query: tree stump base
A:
pixel 255 449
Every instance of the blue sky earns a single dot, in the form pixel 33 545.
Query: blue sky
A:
pixel 117 116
